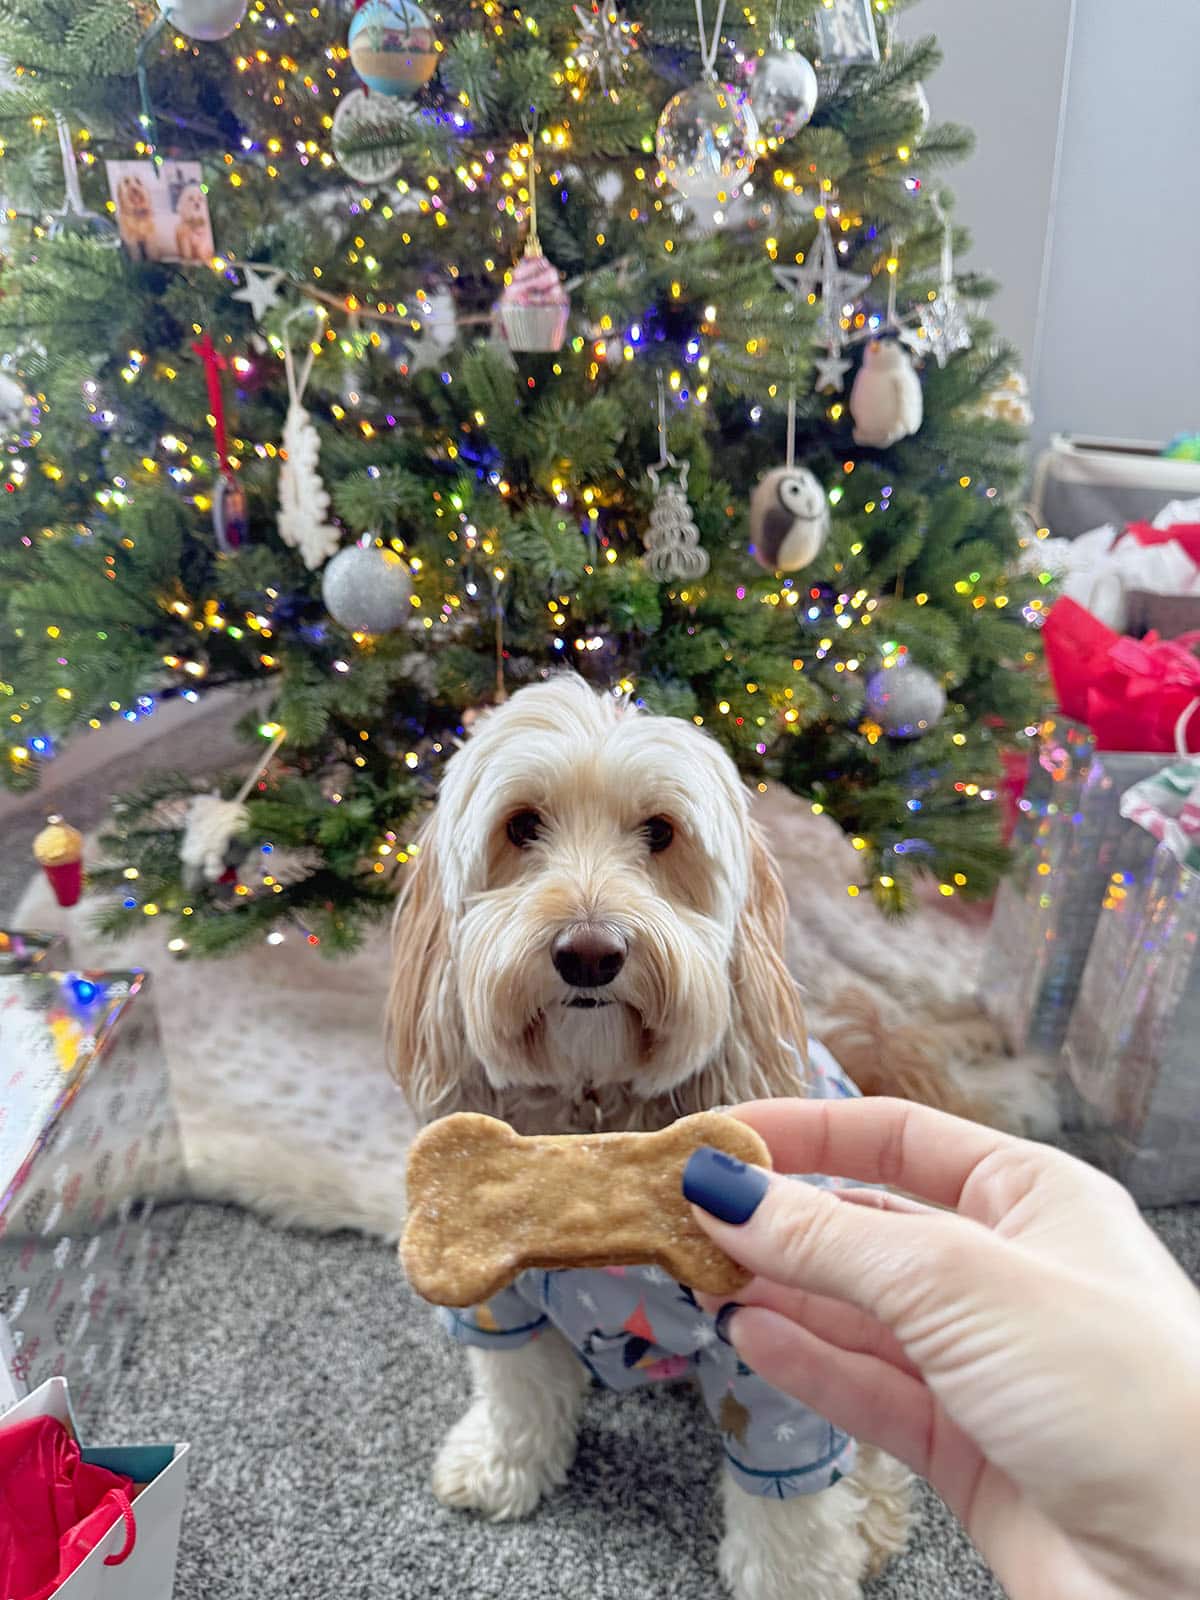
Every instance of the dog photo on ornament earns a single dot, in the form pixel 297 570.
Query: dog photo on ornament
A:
pixel 162 213
pixel 590 943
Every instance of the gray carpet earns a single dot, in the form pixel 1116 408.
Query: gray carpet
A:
pixel 313 1388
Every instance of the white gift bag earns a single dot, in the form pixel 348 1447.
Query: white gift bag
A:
pixel 159 1473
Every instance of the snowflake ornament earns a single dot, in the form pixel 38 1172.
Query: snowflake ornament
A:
pixel 303 498
pixel 945 324
pixel 606 41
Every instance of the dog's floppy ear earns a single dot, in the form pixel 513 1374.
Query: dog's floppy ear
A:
pixel 427 1048
pixel 767 1033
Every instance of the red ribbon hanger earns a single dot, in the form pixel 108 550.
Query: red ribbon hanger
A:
pixel 229 500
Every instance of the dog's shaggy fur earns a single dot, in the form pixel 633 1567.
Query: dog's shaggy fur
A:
pixel 551 821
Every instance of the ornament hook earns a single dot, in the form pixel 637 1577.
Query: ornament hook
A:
pixel 665 458
pixel 892 323
pixel 775 36
pixel 147 118
pixel 297 385
pixel 708 49
pixel 529 123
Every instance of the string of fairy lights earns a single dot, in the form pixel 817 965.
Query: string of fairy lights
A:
pixel 409 205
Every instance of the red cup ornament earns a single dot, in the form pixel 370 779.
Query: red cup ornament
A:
pixel 229 513
pixel 59 851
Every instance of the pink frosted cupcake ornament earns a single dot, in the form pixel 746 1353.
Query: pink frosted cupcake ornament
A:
pixel 535 307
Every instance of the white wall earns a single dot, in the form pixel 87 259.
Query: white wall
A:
pixel 1002 76
pixel 1120 349
pixel 1097 242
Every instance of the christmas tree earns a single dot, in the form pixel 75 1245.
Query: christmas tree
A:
pixel 504 313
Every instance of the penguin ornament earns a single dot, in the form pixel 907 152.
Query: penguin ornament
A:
pixel 789 519
pixel 885 400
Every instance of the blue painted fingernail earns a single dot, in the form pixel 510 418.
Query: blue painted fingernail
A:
pixel 722 1322
pixel 722 1185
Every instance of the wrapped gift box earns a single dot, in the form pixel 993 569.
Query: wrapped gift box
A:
pixel 1129 1066
pixel 89 1153
pixel 32 952
pixel 1070 841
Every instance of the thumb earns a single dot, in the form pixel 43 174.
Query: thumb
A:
pixel 797 1234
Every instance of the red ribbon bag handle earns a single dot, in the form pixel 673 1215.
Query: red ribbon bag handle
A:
pixel 130 1530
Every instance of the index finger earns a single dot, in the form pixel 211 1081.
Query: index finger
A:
pixel 926 1153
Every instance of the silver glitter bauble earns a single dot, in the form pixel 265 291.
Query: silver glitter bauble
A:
pixel 14 404
pixel 203 19
pixel 905 700
pixel 706 142
pixel 783 93
pixel 367 589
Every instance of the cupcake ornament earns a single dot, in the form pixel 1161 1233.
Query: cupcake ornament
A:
pixel 534 307
pixel 59 852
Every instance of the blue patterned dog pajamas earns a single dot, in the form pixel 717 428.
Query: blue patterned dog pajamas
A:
pixel 634 1325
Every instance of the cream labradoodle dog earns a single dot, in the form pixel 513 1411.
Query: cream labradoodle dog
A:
pixel 193 231
pixel 592 937
pixel 135 217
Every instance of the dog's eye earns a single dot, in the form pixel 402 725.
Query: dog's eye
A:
pixel 659 833
pixel 524 828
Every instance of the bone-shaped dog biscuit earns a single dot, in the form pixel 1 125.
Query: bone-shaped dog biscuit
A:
pixel 485 1203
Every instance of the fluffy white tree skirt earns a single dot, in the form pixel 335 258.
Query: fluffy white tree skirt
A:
pixel 277 1061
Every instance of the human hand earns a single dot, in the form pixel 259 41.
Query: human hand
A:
pixel 1032 1350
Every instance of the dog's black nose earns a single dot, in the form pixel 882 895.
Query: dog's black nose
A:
pixel 588 957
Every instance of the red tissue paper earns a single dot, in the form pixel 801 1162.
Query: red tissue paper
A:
pixel 1186 534
pixel 54 1508
pixel 1016 765
pixel 1132 693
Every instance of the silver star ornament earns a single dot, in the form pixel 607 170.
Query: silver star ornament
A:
pixel 831 372
pixel 821 274
pixel 260 290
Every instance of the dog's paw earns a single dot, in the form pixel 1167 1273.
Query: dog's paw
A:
pixel 477 1470
pixel 751 1573
pixel 807 1548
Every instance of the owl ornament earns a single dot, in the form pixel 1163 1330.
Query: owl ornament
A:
pixel 789 519
pixel 885 401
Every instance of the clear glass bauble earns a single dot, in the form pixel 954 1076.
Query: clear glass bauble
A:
pixel 366 129
pixel 783 93
pixel 706 143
